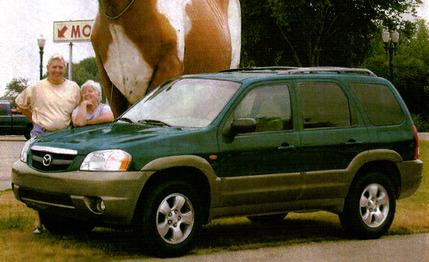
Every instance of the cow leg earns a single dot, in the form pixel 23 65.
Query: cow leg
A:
pixel 169 66
pixel 117 101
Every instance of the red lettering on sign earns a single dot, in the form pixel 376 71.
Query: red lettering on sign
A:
pixel 86 30
pixel 75 31
pixel 62 31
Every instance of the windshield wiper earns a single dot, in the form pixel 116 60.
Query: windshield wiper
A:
pixel 153 122
pixel 125 119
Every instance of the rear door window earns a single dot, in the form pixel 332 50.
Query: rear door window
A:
pixel 324 104
pixel 379 103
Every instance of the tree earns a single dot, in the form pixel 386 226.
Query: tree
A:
pixel 410 67
pixel 14 88
pixel 84 70
pixel 315 32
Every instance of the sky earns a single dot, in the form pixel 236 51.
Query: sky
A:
pixel 23 21
pixel 21 24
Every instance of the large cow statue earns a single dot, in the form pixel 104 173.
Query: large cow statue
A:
pixel 141 43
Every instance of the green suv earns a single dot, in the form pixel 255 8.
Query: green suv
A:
pixel 256 142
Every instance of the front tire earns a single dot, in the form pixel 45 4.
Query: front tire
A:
pixel 171 219
pixel 370 206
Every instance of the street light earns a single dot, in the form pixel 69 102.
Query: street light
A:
pixel 390 39
pixel 41 42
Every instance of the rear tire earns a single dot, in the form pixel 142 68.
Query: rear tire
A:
pixel 171 218
pixel 369 207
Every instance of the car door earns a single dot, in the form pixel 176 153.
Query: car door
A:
pixel 5 119
pixel 260 166
pixel 331 135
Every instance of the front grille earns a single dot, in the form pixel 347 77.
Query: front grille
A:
pixel 51 159
pixel 57 199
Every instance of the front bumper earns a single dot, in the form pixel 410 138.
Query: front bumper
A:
pixel 411 176
pixel 76 194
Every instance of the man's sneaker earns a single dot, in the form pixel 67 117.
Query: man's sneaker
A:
pixel 38 230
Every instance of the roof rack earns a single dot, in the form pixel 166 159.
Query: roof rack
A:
pixel 262 68
pixel 304 70
pixel 323 69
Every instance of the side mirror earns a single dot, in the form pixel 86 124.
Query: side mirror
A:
pixel 243 125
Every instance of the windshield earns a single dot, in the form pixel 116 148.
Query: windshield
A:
pixel 184 103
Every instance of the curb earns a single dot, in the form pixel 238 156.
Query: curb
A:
pixel 12 138
pixel 424 136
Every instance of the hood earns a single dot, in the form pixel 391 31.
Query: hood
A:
pixel 99 137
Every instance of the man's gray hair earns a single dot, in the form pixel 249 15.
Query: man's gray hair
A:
pixel 56 57
pixel 95 85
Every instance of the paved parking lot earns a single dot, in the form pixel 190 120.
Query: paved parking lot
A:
pixel 10 148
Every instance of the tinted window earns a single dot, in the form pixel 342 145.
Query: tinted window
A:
pixel 379 103
pixel 269 106
pixel 4 109
pixel 323 105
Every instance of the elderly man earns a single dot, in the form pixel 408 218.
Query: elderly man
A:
pixel 50 102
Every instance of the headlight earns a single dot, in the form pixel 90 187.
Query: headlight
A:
pixel 25 148
pixel 106 160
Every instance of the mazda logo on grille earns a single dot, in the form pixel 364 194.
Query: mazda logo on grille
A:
pixel 47 160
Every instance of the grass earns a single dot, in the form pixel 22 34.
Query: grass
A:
pixel 413 212
pixel 18 244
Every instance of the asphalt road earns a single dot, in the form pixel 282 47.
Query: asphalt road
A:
pixel 10 148
pixel 392 248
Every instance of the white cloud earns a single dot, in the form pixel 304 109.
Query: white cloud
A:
pixel 424 10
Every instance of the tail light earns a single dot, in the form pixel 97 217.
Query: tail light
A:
pixel 417 146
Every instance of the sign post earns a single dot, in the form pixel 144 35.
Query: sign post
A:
pixel 72 31
pixel 71 59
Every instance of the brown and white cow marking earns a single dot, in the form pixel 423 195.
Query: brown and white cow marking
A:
pixel 141 43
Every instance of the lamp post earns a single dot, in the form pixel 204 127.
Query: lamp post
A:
pixel 41 42
pixel 390 39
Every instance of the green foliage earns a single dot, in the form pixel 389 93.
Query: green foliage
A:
pixel 85 70
pixel 14 88
pixel 410 68
pixel 311 33
pixel 421 123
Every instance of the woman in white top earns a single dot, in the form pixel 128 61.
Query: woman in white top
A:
pixel 90 111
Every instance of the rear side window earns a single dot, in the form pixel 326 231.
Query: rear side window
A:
pixel 324 104
pixel 379 103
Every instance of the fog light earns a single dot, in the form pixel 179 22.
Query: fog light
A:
pixel 100 205
pixel 95 204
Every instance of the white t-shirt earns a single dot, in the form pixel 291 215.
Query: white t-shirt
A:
pixel 51 105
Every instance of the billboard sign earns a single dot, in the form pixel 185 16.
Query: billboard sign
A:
pixel 72 31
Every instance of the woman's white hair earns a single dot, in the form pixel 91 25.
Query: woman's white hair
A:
pixel 95 85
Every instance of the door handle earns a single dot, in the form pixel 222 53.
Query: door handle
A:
pixel 285 146
pixel 352 141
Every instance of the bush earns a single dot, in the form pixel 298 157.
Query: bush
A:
pixel 421 123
